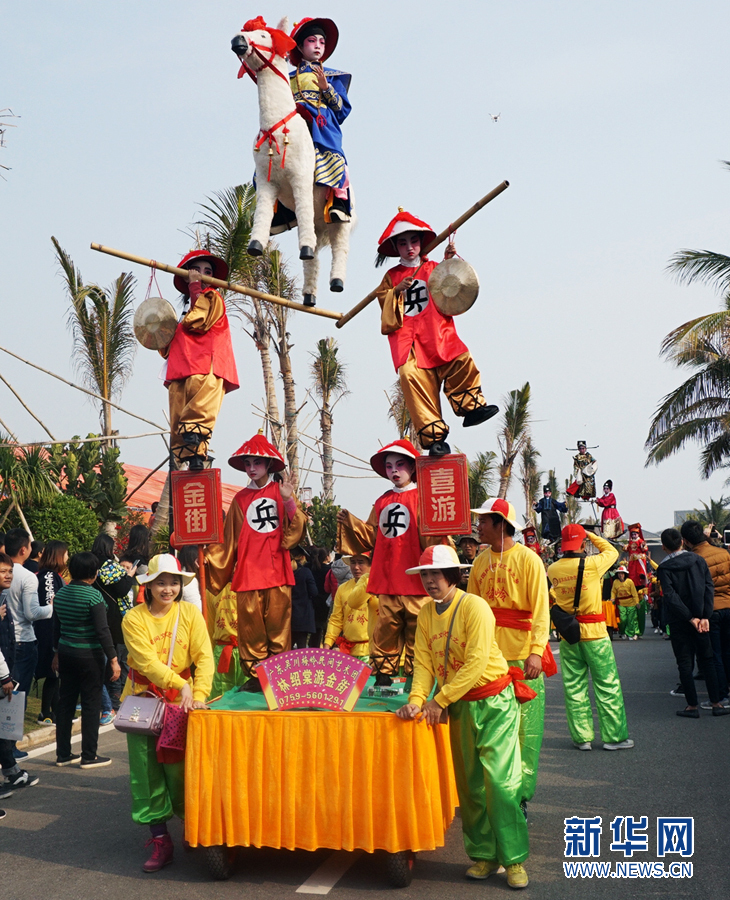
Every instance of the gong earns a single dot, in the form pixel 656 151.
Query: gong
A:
pixel 155 323
pixel 454 286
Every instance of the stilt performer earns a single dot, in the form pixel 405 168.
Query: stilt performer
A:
pixel 263 523
pixel 511 578
pixel 637 551
pixel 200 367
pixel 612 524
pixel 584 474
pixel 427 352
pixel 391 532
pixel 456 652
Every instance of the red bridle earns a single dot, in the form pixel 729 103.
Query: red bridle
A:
pixel 245 68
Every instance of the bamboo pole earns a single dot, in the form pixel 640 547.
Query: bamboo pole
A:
pixel 217 282
pixel 88 440
pixel 439 239
pixel 26 407
pixel 83 390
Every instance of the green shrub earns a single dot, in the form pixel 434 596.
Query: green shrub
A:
pixel 65 519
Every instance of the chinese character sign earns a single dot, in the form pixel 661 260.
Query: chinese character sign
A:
pixel 197 508
pixel 312 679
pixel 443 494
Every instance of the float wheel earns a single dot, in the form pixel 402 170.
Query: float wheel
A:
pixel 220 861
pixel 399 868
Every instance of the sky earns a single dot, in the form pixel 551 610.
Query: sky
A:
pixel 611 134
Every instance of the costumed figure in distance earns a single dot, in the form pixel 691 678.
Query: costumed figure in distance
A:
pixel 549 510
pixel 584 474
pixel 624 591
pixel 612 525
pixel 638 551
pixel 200 367
pixel 427 352
pixel 354 611
pixel 263 524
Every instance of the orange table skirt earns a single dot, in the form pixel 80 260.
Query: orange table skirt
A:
pixel 307 780
pixel 611 615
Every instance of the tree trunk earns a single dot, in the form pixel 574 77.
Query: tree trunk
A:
pixel 261 339
pixel 325 418
pixel 290 409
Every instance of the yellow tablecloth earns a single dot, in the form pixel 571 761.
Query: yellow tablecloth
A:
pixel 317 779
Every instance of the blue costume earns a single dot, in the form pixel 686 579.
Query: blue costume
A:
pixel 324 112
pixel 549 518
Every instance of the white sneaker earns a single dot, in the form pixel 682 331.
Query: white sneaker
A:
pixel 585 746
pixel 624 745
pixel 707 704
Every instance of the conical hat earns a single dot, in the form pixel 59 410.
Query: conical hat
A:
pixel 402 223
pixel 258 446
pixel 220 268
pixel 403 447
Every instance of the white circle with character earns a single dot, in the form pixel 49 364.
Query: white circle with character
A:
pixel 394 520
pixel 263 515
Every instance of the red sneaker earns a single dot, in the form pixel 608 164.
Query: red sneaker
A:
pixel 162 853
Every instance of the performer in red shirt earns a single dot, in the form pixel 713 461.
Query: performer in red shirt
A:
pixel 263 524
pixel 391 532
pixel 200 364
pixel 427 352
pixel 638 552
pixel 611 522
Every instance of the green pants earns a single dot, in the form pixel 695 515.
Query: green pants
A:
pixel 641 615
pixel 485 745
pixel 629 619
pixel 596 657
pixel 226 681
pixel 532 727
pixel 158 789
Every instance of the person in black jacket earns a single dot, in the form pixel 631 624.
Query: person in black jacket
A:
pixel 688 602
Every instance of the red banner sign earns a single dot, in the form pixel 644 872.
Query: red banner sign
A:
pixel 313 679
pixel 443 494
pixel 197 509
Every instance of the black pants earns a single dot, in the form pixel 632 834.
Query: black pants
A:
pixel 720 638
pixel 8 763
pixel 82 675
pixel 299 639
pixel 687 643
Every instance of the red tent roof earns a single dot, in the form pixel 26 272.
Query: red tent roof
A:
pixel 152 489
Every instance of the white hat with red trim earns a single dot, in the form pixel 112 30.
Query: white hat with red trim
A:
pixel 440 556
pixel 165 563
pixel 402 448
pixel 402 223
pixel 499 507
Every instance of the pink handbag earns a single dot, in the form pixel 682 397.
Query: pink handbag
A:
pixel 174 730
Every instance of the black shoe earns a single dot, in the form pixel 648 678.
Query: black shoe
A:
pixel 309 300
pixel 252 686
pixel 197 463
pixel 678 691
pixel 440 448
pixel 479 415
pixel 692 713
pixel 68 760
pixel 720 711
pixel 96 763
pixel 20 780
pixel 382 680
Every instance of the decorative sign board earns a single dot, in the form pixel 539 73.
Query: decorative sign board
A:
pixel 197 507
pixel 313 679
pixel 443 494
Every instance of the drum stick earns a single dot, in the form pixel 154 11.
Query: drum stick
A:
pixel 439 239
pixel 216 282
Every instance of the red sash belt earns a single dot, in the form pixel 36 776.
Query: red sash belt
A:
pixel 224 663
pixel 593 617
pixel 521 620
pixel 344 645
pixel 523 692
pixel 170 694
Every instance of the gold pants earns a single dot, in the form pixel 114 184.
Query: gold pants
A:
pixel 422 393
pixel 395 629
pixel 194 401
pixel 264 624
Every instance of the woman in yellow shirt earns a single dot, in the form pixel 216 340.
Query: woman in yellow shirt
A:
pixel 157 776
pixel 624 591
pixel 473 680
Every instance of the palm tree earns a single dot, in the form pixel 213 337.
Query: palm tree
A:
pixel 699 409
pixel 530 477
pixel 715 513
pixel 25 479
pixel 330 385
pixel 398 413
pixel 104 341
pixel 481 477
pixel 515 432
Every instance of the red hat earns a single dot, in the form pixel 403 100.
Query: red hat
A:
pixel 301 30
pixel 636 527
pixel 572 537
pixel 403 448
pixel 402 223
pixel 438 556
pixel 220 268
pixel 258 446
pixel 499 507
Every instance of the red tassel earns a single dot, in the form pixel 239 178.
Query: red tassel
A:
pixel 321 121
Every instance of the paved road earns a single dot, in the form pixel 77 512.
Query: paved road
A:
pixel 71 837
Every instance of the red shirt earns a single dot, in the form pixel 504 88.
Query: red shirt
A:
pixel 261 560
pixel 397 545
pixel 425 327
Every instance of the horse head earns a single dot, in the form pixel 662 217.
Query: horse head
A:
pixel 257 45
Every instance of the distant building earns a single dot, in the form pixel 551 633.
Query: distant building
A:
pixel 681 516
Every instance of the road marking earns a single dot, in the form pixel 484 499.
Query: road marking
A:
pixel 51 747
pixel 329 873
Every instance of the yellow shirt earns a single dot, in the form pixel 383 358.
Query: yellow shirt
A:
pixel 225 622
pixel 564 573
pixel 474 656
pixel 148 642
pixel 625 591
pixel 351 615
pixel 514 579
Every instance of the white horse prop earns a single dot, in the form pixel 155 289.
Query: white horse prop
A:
pixel 285 157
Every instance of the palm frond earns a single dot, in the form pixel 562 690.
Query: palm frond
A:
pixel 701 265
